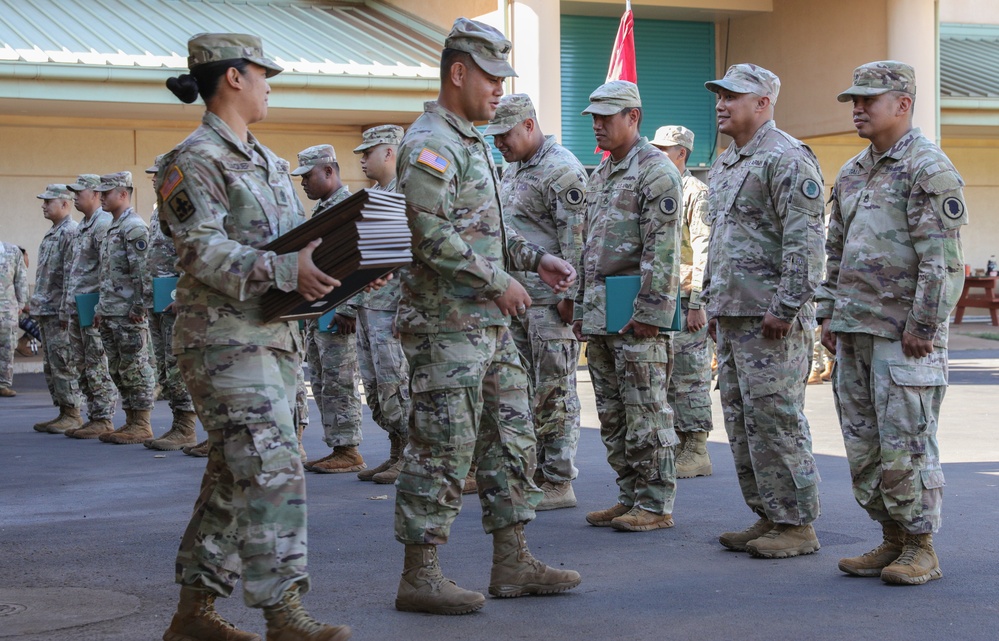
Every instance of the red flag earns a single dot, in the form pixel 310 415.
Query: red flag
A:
pixel 622 62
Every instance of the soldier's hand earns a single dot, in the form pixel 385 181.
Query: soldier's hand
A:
pixel 313 283
pixel 915 347
pixel 136 318
pixel 378 283
pixel 713 329
pixel 577 329
pixel 515 300
pixel 64 325
pixel 774 327
pixel 696 320
pixel 168 309
pixel 344 324
pixel 641 330
pixel 395 328
pixel 828 338
pixel 557 273
pixel 97 320
pixel 565 308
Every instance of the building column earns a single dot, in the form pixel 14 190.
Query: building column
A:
pixel 913 39
pixel 534 27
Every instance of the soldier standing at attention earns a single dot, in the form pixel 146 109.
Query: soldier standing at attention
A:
pixel 543 201
pixel 86 345
pixel 382 362
pixel 764 262
pixel 46 303
pixel 469 389
pixel 690 383
pixel 126 291
pixel 634 201
pixel 13 298
pixel 222 195
pixel 332 354
pixel 900 201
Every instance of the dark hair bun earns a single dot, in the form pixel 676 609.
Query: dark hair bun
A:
pixel 184 87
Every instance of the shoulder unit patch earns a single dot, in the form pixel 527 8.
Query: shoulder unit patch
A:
pixel 811 189
pixel 574 196
pixel 181 205
pixel 953 208
pixel 668 205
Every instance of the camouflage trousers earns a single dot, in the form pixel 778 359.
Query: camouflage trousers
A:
pixel 167 373
pixel 301 399
pixel 61 374
pixel 333 371
pixel 630 377
pixel 820 355
pixel 690 384
pixel 469 392
pixel 95 378
pixel 384 371
pixel 762 383
pixel 250 518
pixel 8 344
pixel 126 344
pixel 551 353
pixel 889 406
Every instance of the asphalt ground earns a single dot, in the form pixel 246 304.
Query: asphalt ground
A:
pixel 90 529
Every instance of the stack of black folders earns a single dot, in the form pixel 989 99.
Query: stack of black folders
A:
pixel 364 237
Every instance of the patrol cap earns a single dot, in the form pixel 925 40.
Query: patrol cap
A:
pixel 611 97
pixel 216 47
pixel 115 180
pixel 55 191
pixel 317 155
pixel 747 78
pixel 153 168
pixel 671 135
pixel 488 47
pixel 513 110
pixel 84 182
pixel 380 135
pixel 876 78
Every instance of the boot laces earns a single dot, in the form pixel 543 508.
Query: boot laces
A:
pixel 299 619
pixel 209 612
pixel 909 552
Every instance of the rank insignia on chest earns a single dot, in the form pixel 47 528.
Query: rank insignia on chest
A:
pixel 574 196
pixel 181 205
pixel 668 205
pixel 811 189
pixel 953 208
pixel 433 160
pixel 170 181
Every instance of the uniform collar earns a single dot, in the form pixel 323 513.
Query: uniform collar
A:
pixel 462 126
pixel 895 152
pixel 617 165
pixel 733 154
pixel 220 127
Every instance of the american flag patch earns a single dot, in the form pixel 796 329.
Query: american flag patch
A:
pixel 434 161
pixel 171 181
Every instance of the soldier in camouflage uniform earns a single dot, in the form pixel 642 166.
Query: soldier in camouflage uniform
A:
pixel 469 388
pixel 764 262
pixel 46 302
pixel 332 351
pixel 382 362
pixel 82 270
pixel 634 201
pixel 901 202
pixel 13 298
pixel 543 200
pixel 223 195
pixel 690 383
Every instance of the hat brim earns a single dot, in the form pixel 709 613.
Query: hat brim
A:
pixel 102 188
pixel 602 109
pixel 77 187
pixel 848 95
pixel 498 68
pixel 272 67
pixel 714 86
pixel 498 129
pixel 152 169
pixel 301 171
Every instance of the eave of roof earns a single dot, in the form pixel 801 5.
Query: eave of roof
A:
pixel 969 58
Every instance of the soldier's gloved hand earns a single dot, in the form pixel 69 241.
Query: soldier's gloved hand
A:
pixel 828 338
pixel 313 283
pixel 774 327
pixel 915 347
pixel 641 330
pixel 515 300
pixel 556 273
pixel 344 324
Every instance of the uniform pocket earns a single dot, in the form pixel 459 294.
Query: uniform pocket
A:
pixel 910 396
pixel 443 411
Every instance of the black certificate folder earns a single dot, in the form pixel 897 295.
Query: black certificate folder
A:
pixel 364 237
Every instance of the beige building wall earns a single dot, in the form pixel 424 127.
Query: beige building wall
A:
pixel 969 11
pixel 443 12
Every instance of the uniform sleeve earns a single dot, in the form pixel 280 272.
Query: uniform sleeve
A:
pixel 567 201
pixel 20 281
pixel 137 252
pixel 825 294
pixel 193 202
pixel 659 227
pixel 700 231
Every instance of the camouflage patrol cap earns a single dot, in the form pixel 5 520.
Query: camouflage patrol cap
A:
pixel 380 135
pixel 876 78
pixel 55 191
pixel 84 182
pixel 153 168
pixel 488 47
pixel 317 155
pixel 513 110
pixel 671 135
pixel 611 97
pixel 113 181
pixel 216 47
pixel 747 78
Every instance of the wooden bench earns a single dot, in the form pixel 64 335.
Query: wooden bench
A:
pixel 989 301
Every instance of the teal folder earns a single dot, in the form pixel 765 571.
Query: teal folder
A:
pixel 620 305
pixel 325 320
pixel 85 304
pixel 164 293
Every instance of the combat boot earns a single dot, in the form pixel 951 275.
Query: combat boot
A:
pixel 737 540
pixel 92 429
pixel 815 378
pixel 288 621
pixel 128 421
pixel 299 431
pixel 345 458
pixel 197 620
pixel 784 541
pixel 557 496
pixel 517 573
pixel 396 444
pixel 180 435
pixel 871 563
pixel 916 565
pixel 198 451
pixel 603 518
pixel 471 486
pixel 389 476
pixel 135 430
pixel 694 460
pixel 40 427
pixel 827 373
pixel 69 418
pixel 423 587
pixel 7 392
pixel 638 520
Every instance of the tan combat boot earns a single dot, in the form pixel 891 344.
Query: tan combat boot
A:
pixel 517 573
pixel 827 373
pixel 197 620
pixel 638 520
pixel 916 565
pixel 198 451
pixel 423 588
pixel 737 540
pixel 135 430
pixel 128 421
pixel 7 392
pixel 69 419
pixel 815 378
pixel 389 476
pixel 299 431
pixel 557 496
pixel 288 621
pixel 603 518
pixel 471 486
pixel 694 460
pixel 345 458
pixel 396 444
pixel 871 563
pixel 92 429
pixel 181 433
pixel 40 427
pixel 784 541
